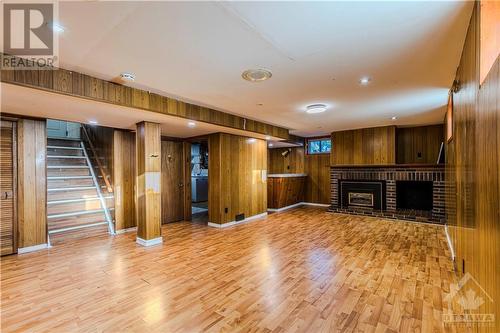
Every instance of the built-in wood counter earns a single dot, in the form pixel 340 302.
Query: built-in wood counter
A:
pixel 285 189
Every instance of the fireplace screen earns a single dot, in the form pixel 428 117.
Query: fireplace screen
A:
pixel 361 199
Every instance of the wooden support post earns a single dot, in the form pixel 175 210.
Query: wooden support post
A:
pixel 148 166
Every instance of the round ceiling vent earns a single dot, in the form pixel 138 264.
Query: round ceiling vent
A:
pixel 256 75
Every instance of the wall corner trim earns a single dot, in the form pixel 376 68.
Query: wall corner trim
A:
pixel 315 204
pixel 149 242
pixel 228 224
pixel 275 210
pixel 33 248
pixel 122 231
pixel 450 244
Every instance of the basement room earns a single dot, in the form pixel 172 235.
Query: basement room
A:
pixel 250 166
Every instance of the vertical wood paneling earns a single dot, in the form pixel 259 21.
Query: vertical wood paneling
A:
pixel 292 163
pixel 317 168
pixel 148 168
pixel 425 140
pixel 102 141
pixel 124 179
pixel 8 173
pixel 186 150
pixel 364 146
pixel 473 174
pixel 236 182
pixel 32 183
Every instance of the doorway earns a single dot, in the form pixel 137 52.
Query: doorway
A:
pixel 175 182
pixel 199 181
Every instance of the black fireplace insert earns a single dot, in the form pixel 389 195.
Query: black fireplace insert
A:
pixel 362 194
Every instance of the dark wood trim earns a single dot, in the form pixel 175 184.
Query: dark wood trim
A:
pixel 365 166
pixel 76 84
pixel 186 154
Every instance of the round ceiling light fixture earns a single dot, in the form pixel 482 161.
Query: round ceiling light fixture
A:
pixel 316 108
pixel 191 124
pixel 127 76
pixel 256 75
pixel 364 81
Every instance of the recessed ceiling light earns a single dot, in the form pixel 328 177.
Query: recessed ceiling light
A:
pixel 316 108
pixel 57 28
pixel 256 75
pixel 364 80
pixel 251 140
pixel 127 76
pixel 191 124
pixel 394 118
pixel 270 145
pixel 93 122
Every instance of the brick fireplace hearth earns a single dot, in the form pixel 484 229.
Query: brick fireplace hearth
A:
pixel 421 197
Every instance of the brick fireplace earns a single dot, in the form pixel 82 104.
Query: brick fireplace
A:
pixel 407 192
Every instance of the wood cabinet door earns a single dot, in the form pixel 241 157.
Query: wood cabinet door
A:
pixel 172 181
pixel 7 188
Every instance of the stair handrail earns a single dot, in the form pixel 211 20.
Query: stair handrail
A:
pixel 98 161
pixel 107 214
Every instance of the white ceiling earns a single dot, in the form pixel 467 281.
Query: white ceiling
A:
pixel 317 51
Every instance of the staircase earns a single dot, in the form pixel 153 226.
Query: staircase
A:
pixel 74 196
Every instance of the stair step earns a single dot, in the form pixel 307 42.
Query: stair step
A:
pixel 68 166
pixel 75 220
pixel 72 235
pixel 76 188
pixel 69 161
pixel 77 227
pixel 66 195
pixel 73 207
pixel 65 156
pixel 63 147
pixel 68 172
pixel 56 202
pixel 68 177
pixel 60 142
pixel 83 212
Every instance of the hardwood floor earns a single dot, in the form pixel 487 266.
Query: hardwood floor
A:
pixel 301 270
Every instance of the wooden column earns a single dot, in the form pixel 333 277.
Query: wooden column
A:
pixel 124 179
pixel 148 166
pixel 32 185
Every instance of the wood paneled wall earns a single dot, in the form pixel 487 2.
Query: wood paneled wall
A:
pixel 80 85
pixel 148 169
pixel 473 179
pixel 102 140
pixel 420 144
pixel 236 177
pixel 317 168
pixel 364 146
pixel 32 182
pixel 124 176
pixel 292 163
